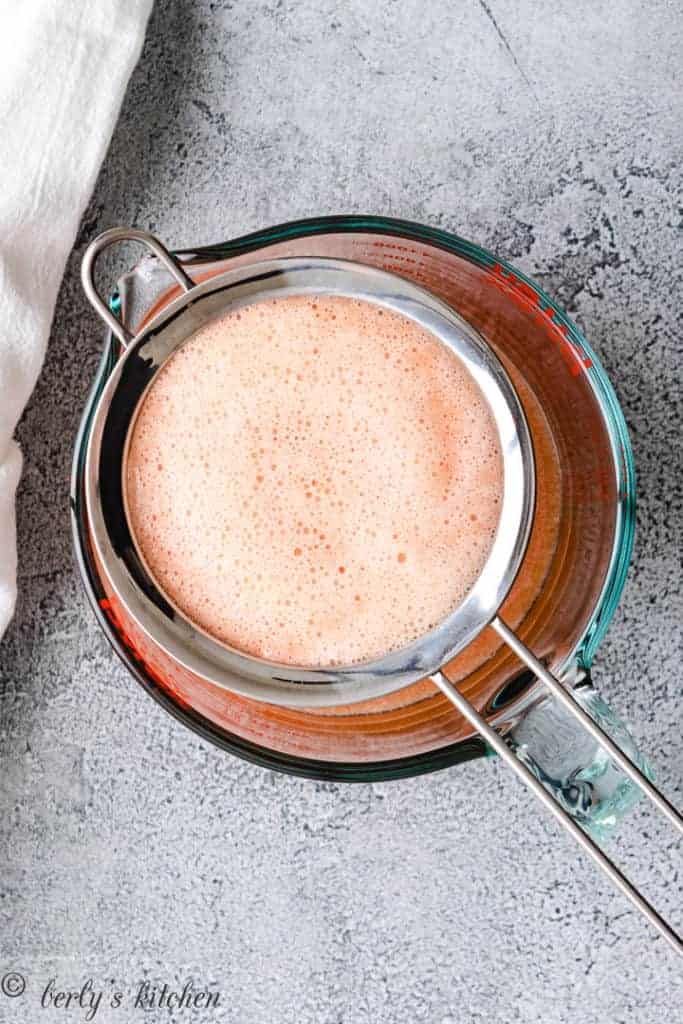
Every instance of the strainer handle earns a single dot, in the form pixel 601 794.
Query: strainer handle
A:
pixel 527 776
pixel 103 241
pixel 570 703
pixel 530 777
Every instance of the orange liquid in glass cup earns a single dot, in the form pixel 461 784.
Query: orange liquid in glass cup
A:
pixel 559 585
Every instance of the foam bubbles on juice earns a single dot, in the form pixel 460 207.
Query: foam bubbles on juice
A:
pixel 314 480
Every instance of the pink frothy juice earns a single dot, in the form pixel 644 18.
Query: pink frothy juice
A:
pixel 314 480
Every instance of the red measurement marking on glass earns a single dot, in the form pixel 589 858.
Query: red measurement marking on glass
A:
pixel 528 299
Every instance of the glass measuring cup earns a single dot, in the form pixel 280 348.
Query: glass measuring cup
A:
pixel 561 601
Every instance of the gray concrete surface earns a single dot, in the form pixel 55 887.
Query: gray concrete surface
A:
pixel 133 850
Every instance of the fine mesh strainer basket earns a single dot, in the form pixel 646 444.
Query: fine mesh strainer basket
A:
pixel 287 685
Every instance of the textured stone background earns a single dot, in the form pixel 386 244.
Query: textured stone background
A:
pixel 132 849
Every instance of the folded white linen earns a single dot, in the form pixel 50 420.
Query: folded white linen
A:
pixel 64 66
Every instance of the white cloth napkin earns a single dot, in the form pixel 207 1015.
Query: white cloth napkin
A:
pixel 64 66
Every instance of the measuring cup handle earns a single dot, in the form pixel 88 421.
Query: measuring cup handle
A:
pixel 572 765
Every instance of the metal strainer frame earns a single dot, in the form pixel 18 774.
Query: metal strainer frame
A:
pixel 231 669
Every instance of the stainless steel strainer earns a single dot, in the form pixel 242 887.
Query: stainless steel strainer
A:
pixel 147 351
